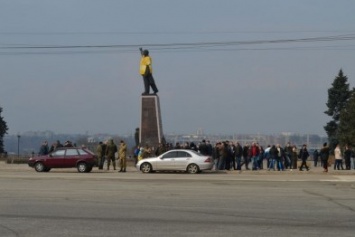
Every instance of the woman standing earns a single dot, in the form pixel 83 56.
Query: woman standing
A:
pixel 338 158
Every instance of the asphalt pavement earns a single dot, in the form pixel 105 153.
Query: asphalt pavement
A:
pixel 314 174
pixel 103 203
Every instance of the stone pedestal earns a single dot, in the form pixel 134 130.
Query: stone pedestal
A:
pixel 151 130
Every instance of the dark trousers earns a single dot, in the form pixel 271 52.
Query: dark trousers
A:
pixel 325 164
pixel 288 161
pixel 338 164
pixel 246 162
pixel 279 164
pixel 239 161
pixel 347 163
pixel 221 163
pixel 304 163
pixel 149 82
pixel 261 162
pixel 228 163
pixel 315 162
pixel 101 162
pixel 233 163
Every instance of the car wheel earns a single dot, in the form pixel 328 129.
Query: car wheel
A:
pixel 39 167
pixel 192 169
pixel 89 169
pixel 82 167
pixel 47 169
pixel 146 168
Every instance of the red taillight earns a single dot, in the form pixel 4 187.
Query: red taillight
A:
pixel 208 160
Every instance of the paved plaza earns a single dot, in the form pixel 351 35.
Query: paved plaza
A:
pixel 64 202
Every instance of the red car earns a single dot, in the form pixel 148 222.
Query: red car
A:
pixel 65 157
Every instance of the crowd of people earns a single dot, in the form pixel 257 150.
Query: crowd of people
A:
pixel 227 155
pixel 45 149
pixel 106 152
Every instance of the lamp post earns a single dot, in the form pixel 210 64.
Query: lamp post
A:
pixel 18 145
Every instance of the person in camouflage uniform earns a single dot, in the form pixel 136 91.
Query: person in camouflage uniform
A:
pixel 122 153
pixel 101 151
pixel 111 149
pixel 99 155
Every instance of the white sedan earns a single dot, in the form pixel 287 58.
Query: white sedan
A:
pixel 176 160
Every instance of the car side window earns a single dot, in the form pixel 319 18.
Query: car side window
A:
pixel 58 153
pixel 170 155
pixel 71 152
pixel 183 154
pixel 82 152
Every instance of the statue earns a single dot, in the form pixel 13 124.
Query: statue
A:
pixel 146 71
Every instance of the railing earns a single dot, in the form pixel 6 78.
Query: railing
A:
pixel 14 159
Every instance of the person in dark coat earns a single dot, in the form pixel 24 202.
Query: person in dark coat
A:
pixel 315 157
pixel 304 156
pixel 203 148
pixel 324 155
pixel 238 155
pixel 246 156
pixel 347 157
pixel 44 149
pixel 273 154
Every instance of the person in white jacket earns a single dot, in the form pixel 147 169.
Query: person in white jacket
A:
pixel 338 158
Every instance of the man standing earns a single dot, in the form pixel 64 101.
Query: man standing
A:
pixel 203 147
pixel 122 153
pixel 146 70
pixel 273 153
pixel 101 151
pixel 160 149
pixel 324 155
pixel 209 148
pixel 304 156
pixel 246 156
pixel 254 156
pixel 279 158
pixel 44 149
pixel 347 157
pixel 223 154
pixel 99 155
pixel 238 155
pixel 315 157
pixel 288 156
pixel 111 149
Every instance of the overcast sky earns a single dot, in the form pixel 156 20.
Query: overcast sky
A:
pixel 223 66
